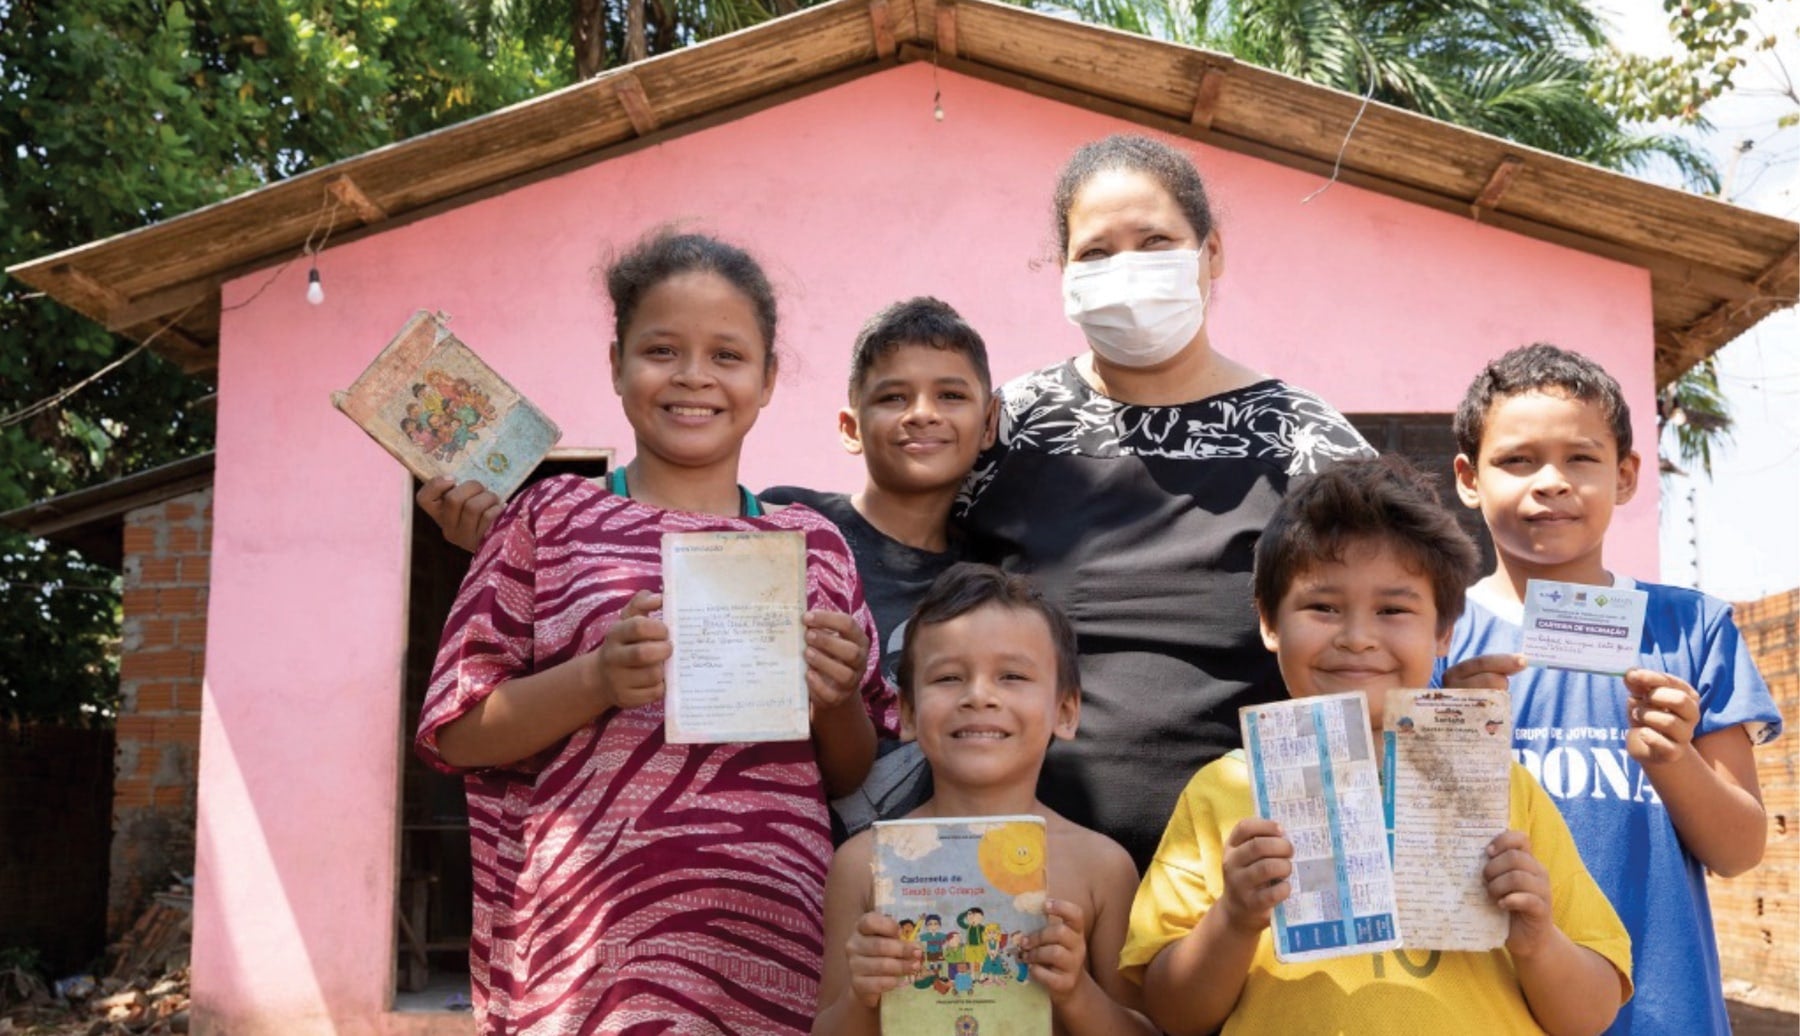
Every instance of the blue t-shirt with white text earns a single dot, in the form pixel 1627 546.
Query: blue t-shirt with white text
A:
pixel 1569 732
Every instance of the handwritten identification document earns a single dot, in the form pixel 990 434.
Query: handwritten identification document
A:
pixel 1449 764
pixel 1312 770
pixel 1595 629
pixel 732 602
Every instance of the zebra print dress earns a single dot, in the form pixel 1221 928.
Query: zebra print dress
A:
pixel 623 884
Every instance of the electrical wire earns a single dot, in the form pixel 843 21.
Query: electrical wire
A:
pixel 327 215
pixel 1338 164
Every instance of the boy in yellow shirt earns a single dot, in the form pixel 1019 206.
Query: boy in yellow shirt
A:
pixel 1359 578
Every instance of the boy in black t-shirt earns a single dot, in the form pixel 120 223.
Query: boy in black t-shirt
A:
pixel 921 409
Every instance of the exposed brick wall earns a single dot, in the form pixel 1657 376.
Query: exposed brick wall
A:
pixel 1757 915
pixel 162 660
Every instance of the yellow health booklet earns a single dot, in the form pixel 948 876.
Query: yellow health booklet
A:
pixel 967 890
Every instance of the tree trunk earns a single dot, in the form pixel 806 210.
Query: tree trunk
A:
pixel 590 38
pixel 662 27
pixel 636 47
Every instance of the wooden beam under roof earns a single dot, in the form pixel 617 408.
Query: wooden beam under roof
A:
pixel 881 28
pixel 344 189
pixel 1715 269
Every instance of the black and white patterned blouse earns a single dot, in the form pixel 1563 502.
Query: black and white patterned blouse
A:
pixel 1141 521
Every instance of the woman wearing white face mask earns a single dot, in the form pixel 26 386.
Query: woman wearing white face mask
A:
pixel 1132 482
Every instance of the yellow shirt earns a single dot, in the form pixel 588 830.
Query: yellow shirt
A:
pixel 1423 991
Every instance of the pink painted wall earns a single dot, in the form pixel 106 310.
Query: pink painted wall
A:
pixel 853 198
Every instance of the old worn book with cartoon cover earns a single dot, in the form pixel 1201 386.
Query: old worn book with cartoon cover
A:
pixel 967 890
pixel 433 404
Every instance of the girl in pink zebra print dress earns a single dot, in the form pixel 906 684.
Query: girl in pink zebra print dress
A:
pixel 624 884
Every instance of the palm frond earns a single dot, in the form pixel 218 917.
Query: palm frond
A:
pixel 1637 152
pixel 1695 407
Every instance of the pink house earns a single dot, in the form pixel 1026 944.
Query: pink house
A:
pixel 814 140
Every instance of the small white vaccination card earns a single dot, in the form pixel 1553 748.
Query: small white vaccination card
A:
pixel 1595 629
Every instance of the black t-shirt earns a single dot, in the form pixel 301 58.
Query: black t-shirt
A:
pixel 1142 523
pixel 894 575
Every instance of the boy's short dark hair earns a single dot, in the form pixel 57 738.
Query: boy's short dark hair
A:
pixel 921 320
pixel 1541 367
pixel 966 586
pixel 1383 499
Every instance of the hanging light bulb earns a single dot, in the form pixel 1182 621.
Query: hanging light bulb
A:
pixel 315 292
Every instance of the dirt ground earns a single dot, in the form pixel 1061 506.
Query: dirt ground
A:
pixel 1746 1020
pixel 1750 1020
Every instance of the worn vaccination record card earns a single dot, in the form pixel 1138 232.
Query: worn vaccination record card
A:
pixel 1448 794
pixel 1595 629
pixel 1312 770
pixel 733 603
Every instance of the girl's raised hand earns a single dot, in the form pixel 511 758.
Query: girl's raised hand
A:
pixel 836 653
pixel 1519 885
pixel 1058 954
pixel 1664 712
pixel 879 959
pixel 630 660
pixel 1258 862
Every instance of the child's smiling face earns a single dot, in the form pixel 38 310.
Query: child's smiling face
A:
pixel 985 702
pixel 691 371
pixel 1367 622
pixel 1546 478
pixel 921 417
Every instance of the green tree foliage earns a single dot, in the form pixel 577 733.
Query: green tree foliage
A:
pixel 118 113
pixel 613 32
pixel 1714 40
pixel 1519 69
pixel 1695 407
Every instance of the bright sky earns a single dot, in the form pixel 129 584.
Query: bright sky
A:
pixel 1737 534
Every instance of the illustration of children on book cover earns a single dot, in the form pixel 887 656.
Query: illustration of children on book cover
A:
pixel 440 410
pixel 446 415
pixel 967 890
pixel 446 405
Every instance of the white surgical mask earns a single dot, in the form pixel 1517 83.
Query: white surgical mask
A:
pixel 1136 308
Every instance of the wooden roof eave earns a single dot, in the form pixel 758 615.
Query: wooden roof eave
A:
pixel 90 520
pixel 1715 269
pixel 1689 243
pixel 163 280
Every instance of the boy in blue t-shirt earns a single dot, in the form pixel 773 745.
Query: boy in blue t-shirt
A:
pixel 1653 770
